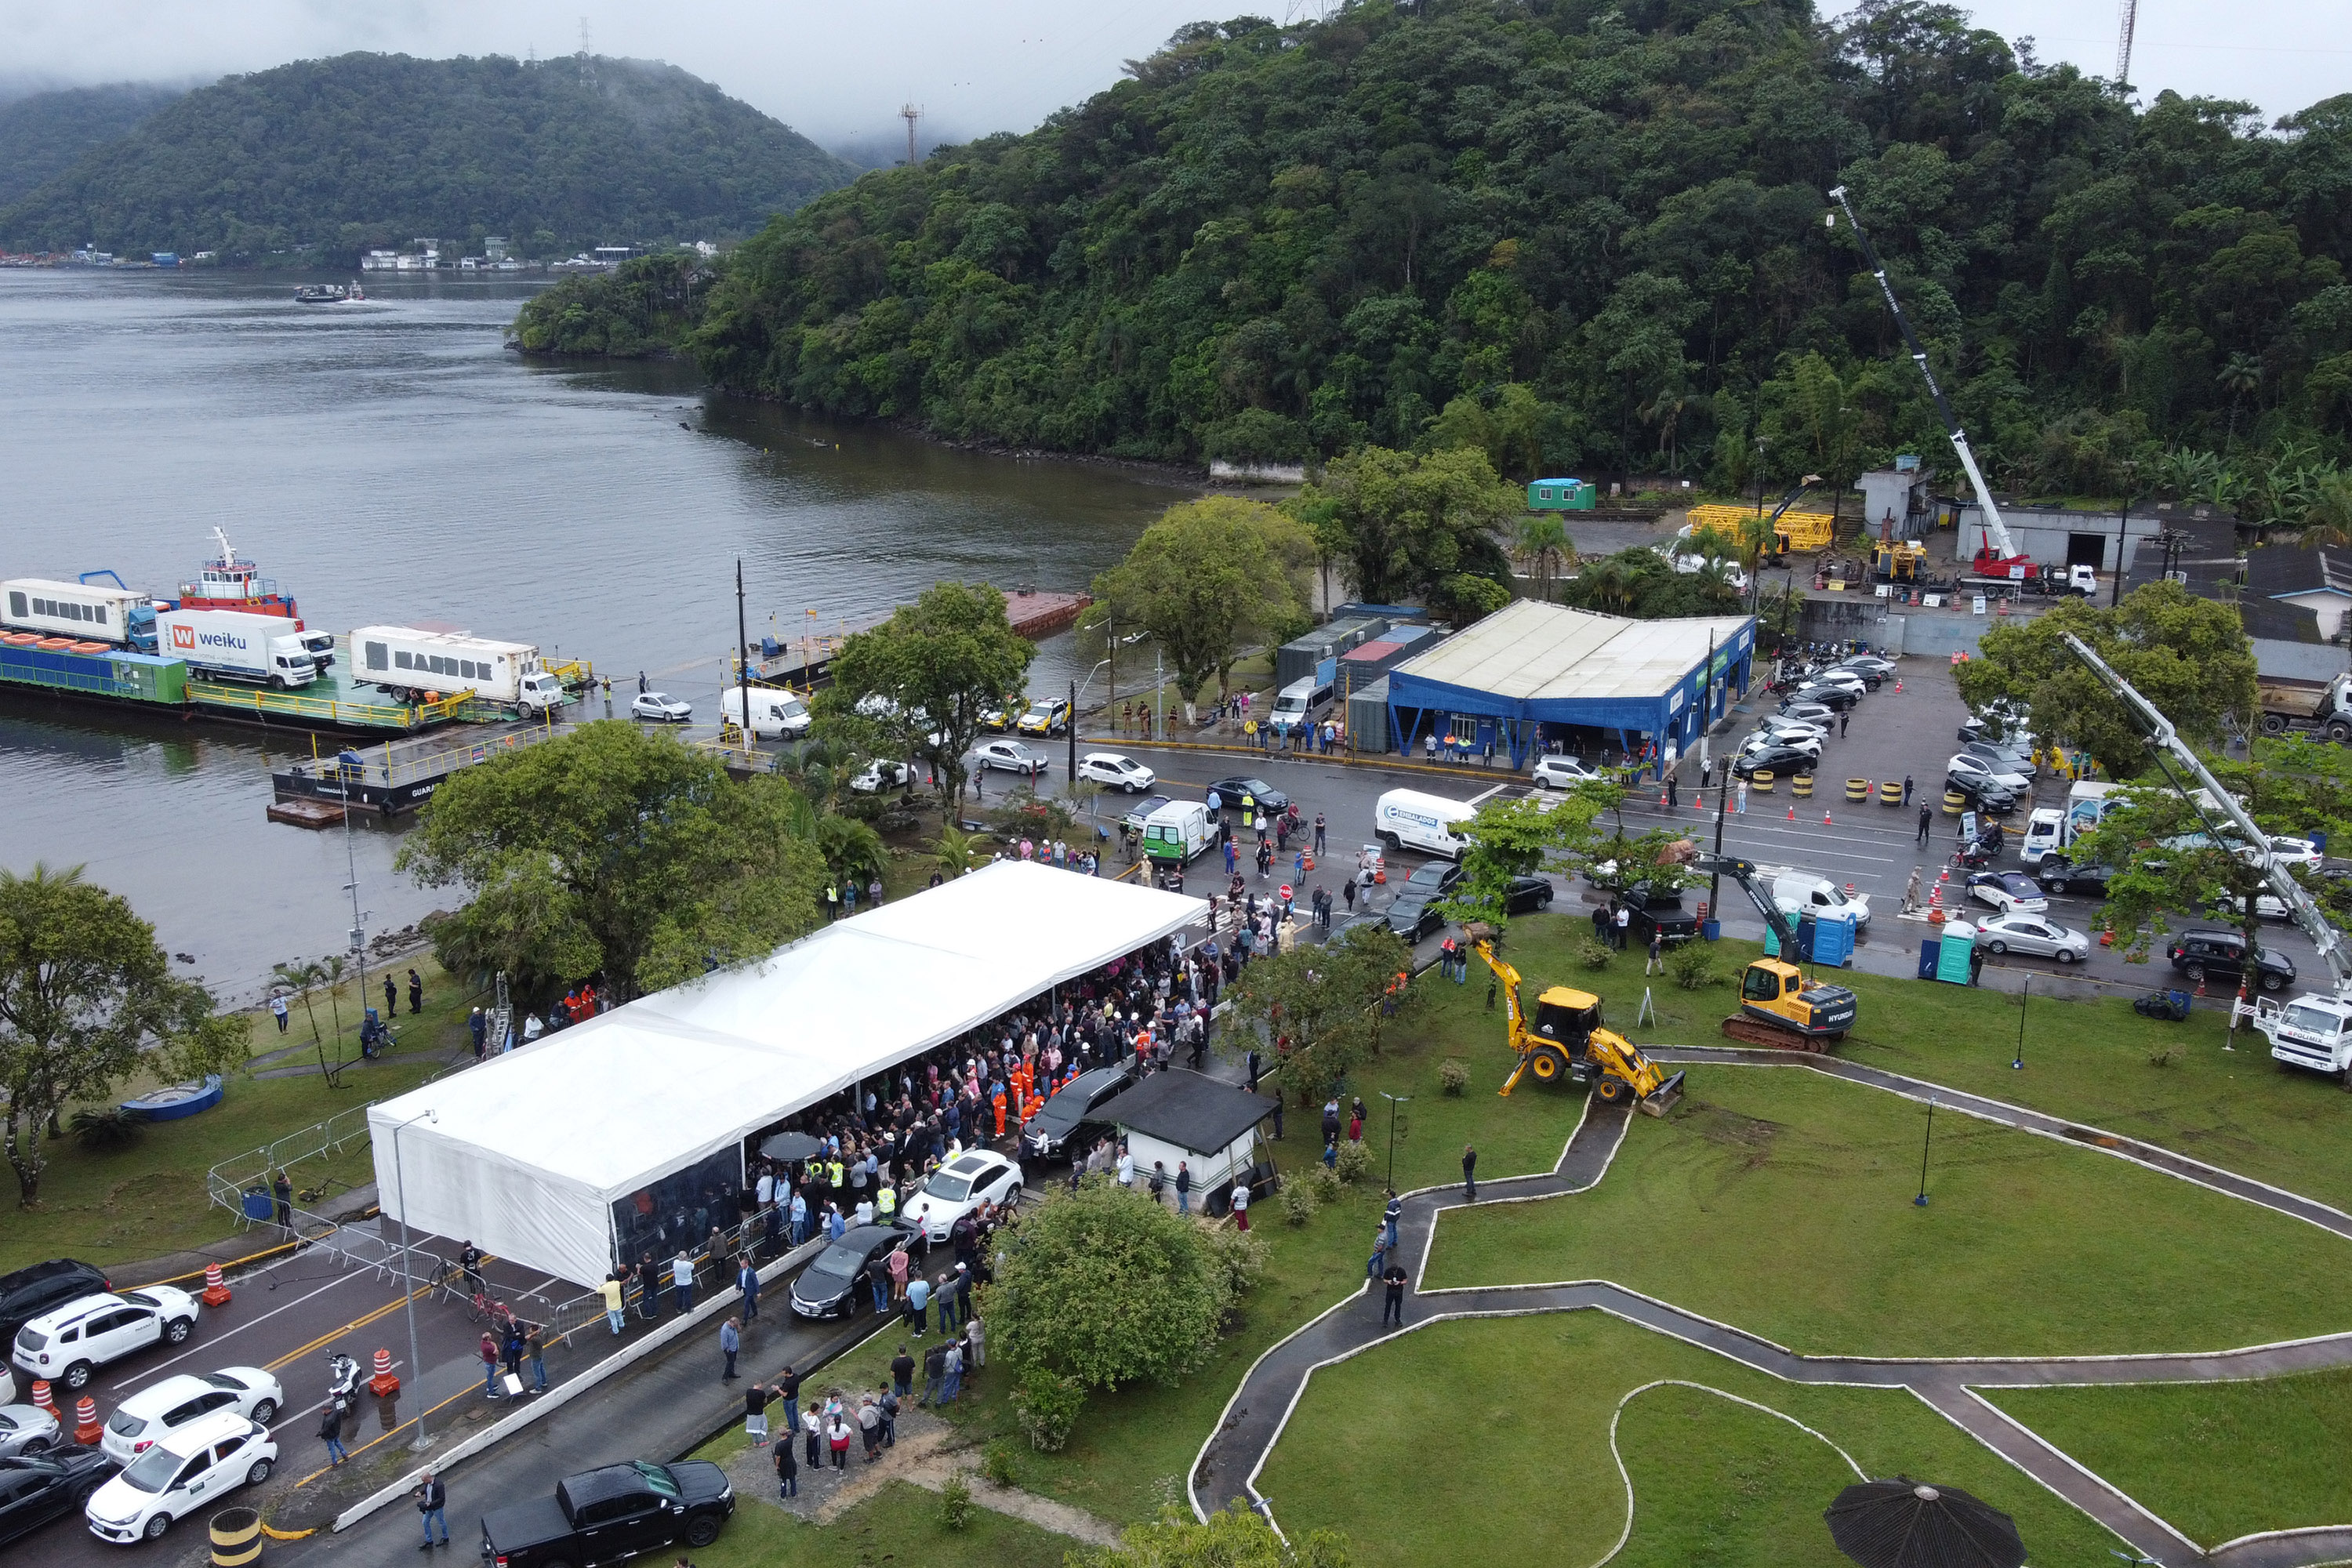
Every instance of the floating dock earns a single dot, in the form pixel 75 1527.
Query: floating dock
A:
pixel 395 776
pixel 306 813
pixel 806 662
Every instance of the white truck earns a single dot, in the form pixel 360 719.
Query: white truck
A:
pixel 412 664
pixel 1178 832
pixel 2324 706
pixel 236 646
pixel 2086 803
pixel 775 714
pixel 87 612
pixel 1408 819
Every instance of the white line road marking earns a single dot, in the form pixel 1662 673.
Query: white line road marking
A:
pixel 216 1339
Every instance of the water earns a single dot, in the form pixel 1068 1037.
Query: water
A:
pixel 391 463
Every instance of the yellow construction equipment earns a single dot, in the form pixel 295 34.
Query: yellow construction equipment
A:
pixel 1569 1043
pixel 1777 1006
pixel 1898 562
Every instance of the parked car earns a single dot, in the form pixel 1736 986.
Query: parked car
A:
pixel 1001 718
pixel 2010 892
pixel 26 1429
pixel 1117 772
pixel 1779 760
pixel 829 1287
pixel 2203 953
pixel 2038 935
pixel 1071 1117
pixel 1434 880
pixel 1762 739
pixel 1965 766
pixel 1982 794
pixel 1854 680
pixel 2296 852
pixel 189 1472
pixel 1835 697
pixel 65 1346
pixel 879 775
pixel 1866 664
pixel 1562 772
pixel 2058 874
pixel 1141 812
pixel 36 1489
pixel 963 1184
pixel 30 1291
pixel 1411 916
pixel 612 1512
pixel 1046 716
pixel 1811 712
pixel 2002 758
pixel 1780 726
pixel 1229 791
pixel 1011 757
pixel 1524 895
pixel 2221 905
pixel 661 708
pixel 1660 909
pixel 162 1408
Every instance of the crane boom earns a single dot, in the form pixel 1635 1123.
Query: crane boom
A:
pixel 2004 549
pixel 2290 892
pixel 1744 873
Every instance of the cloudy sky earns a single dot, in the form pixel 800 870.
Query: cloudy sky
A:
pixel 839 72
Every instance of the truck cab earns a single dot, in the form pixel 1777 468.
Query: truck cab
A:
pixel 2312 1032
pixel 538 692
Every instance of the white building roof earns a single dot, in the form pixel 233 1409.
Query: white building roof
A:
pixel 1532 651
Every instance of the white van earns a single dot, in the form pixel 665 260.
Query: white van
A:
pixel 1408 819
pixel 1303 702
pixel 1803 893
pixel 774 714
pixel 1178 832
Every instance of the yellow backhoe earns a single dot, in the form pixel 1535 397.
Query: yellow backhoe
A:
pixel 1777 1006
pixel 1567 1043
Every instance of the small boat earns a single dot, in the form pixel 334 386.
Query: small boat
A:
pixel 225 582
pixel 320 294
pixel 354 295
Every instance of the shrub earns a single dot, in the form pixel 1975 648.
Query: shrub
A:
pixel 1453 1077
pixel 113 1128
pixel 996 1462
pixel 1065 1295
pixel 1326 1183
pixel 1046 1404
pixel 1691 966
pixel 955 1503
pixel 1354 1159
pixel 1298 1202
pixel 1592 952
pixel 1238 1255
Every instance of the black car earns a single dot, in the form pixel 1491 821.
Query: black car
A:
pixel 1981 794
pixel 1659 909
pixel 1413 916
pixel 43 1288
pixel 1781 762
pixel 1829 694
pixel 1528 894
pixel 1229 793
pixel 828 1288
pixel 1434 880
pixel 2206 953
pixel 615 1511
pixel 1071 1115
pixel 38 1488
pixel 2059 875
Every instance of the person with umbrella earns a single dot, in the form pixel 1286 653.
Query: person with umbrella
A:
pixel 1903 1523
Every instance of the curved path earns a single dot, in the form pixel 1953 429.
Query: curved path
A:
pixel 1227 1467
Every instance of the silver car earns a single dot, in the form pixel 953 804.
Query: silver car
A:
pixel 26 1429
pixel 2037 935
pixel 1012 757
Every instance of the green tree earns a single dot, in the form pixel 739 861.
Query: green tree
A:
pixel 1326 1008
pixel 1542 543
pixel 1510 838
pixel 615 852
pixel 1206 580
pixel 303 977
pixel 85 994
pixel 1235 1537
pixel 1413 520
pixel 944 661
pixel 1106 1287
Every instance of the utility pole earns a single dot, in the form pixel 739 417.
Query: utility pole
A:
pixel 1394 1102
pixel 742 660
pixel 2129 21
pixel 1074 731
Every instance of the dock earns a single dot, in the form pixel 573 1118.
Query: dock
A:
pixel 306 813
pixel 395 776
pixel 806 662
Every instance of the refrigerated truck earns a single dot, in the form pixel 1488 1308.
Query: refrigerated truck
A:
pixel 410 663
pixel 236 645
pixel 87 612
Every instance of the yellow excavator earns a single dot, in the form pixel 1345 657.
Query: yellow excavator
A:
pixel 1777 1006
pixel 1569 1043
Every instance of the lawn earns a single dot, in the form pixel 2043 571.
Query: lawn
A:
pixel 130 1205
pixel 900 1524
pixel 1509 1420
pixel 2275 1444
pixel 1781 1200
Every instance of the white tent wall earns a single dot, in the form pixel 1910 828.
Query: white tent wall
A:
pixel 528 1152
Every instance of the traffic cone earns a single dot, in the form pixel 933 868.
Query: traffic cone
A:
pixel 1898 683
pixel 1825 819
pixel 1310 860
pixel 383 1384
pixel 1792 813
pixel 1849 892
pixel 42 1398
pixel 2106 939
pixel 86 1430
pixel 215 1293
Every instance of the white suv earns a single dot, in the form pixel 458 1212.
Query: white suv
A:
pixel 188 1473
pixel 1118 772
pixel 160 1409
pixel 957 1188
pixel 65 1346
pixel 1562 772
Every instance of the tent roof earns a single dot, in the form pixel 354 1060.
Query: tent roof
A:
pixel 648 1088
pixel 1532 651
pixel 1189 1110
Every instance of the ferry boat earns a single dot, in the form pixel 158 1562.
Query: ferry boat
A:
pixel 225 582
pixel 319 294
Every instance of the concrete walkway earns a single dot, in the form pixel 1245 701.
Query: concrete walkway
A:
pixel 1227 1467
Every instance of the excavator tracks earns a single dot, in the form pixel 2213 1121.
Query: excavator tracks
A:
pixel 1748 1032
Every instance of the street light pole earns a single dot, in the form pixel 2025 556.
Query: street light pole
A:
pixel 1925 1139
pixel 1394 1101
pixel 1074 731
pixel 2023 997
pixel 407 1275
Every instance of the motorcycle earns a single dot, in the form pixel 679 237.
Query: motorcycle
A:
pixel 343 1381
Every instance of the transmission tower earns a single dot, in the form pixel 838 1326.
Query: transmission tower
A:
pixel 2124 42
pixel 910 113
pixel 587 60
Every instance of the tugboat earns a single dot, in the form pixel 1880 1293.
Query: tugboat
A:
pixel 320 294
pixel 225 582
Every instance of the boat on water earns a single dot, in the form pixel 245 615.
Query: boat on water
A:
pixel 354 295
pixel 226 582
pixel 320 294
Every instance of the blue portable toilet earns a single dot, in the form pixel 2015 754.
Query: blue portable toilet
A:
pixel 1832 938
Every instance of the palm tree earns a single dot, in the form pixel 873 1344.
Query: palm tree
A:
pixel 1758 539
pixel 2328 517
pixel 1542 540
pixel 850 847
pixel 957 851
pixel 2242 375
pixel 299 977
pixel 1716 583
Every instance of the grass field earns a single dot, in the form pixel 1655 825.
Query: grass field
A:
pixel 2215 1461
pixel 1781 1200
pixel 900 1524
pixel 129 1205
pixel 1507 1421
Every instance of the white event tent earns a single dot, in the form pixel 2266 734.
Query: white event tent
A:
pixel 527 1153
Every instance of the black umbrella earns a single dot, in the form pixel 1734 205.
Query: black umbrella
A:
pixel 790 1146
pixel 1904 1523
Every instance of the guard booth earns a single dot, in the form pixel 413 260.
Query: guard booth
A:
pixel 1180 1116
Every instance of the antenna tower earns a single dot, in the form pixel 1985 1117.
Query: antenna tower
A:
pixel 587 60
pixel 910 113
pixel 2130 18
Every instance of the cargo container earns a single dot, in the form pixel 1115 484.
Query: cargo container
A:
pixel 1298 659
pixel 92 672
pixel 90 612
pixel 1368 717
pixel 236 646
pixel 410 663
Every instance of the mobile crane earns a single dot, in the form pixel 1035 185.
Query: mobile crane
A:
pixel 1997 553
pixel 2314 1030
pixel 1777 1006
pixel 1569 1043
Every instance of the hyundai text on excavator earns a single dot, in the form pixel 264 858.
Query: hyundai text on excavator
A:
pixel 1777 1006
pixel 1569 1043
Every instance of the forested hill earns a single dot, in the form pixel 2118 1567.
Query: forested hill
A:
pixel 1594 228
pixel 340 154
pixel 42 133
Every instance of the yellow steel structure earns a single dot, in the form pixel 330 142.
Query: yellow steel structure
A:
pixel 1567 1042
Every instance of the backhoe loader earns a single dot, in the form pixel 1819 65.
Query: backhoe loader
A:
pixel 1777 1006
pixel 1568 1044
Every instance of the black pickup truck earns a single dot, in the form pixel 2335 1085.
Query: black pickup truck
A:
pixel 607 1515
pixel 1658 909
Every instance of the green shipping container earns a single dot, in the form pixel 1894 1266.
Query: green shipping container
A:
pixel 145 678
pixel 1561 495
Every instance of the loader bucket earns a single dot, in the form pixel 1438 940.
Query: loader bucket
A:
pixel 1662 1099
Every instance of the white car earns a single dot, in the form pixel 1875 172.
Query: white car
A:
pixel 188 1473
pixel 961 1185
pixel 65 1346
pixel 1734 572
pixel 1781 724
pixel 155 1412
pixel 1852 679
pixel 1976 769
pixel 2010 892
pixel 1758 739
pixel 2036 935
pixel 661 708
pixel 1118 772
pixel 1562 772
pixel 2296 852
pixel 1012 757
pixel 880 775
pixel 2043 830
pixel 26 1429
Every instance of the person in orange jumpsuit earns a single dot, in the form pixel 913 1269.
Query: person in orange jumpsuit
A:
pixel 998 1103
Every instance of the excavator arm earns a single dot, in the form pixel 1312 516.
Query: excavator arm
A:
pixel 1744 873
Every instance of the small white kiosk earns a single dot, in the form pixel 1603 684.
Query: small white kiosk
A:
pixel 1187 1117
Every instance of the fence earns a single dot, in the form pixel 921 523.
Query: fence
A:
pixel 330 709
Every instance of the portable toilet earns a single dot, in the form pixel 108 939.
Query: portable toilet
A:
pixel 1832 937
pixel 1952 953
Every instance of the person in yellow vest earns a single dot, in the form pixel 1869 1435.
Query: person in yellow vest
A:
pixel 1249 806
pixel 834 1176
pixel 886 1202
